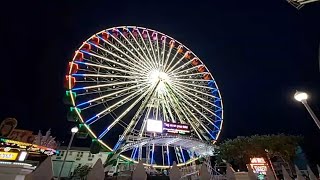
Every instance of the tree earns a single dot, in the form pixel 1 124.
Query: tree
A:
pixel 81 172
pixel 238 151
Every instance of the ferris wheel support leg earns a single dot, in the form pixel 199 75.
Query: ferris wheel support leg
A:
pixel 138 113
pixel 140 153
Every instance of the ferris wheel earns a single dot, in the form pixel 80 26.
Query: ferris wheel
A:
pixel 143 92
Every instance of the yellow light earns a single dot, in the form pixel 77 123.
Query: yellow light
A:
pixel 8 155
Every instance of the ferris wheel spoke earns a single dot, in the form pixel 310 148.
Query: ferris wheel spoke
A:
pixel 195 117
pixel 196 91
pixel 138 114
pixel 108 85
pixel 197 97
pixel 146 60
pixel 190 75
pixel 113 107
pixel 178 61
pixel 167 108
pixel 110 68
pixel 193 85
pixel 186 64
pixel 153 52
pixel 170 61
pixel 185 97
pixel 145 55
pixel 133 66
pixel 199 104
pixel 162 54
pixel 137 61
pixel 105 100
pixel 106 76
pixel 109 60
pixel 175 108
pixel 158 52
pixel 187 117
pixel 202 80
pixel 168 56
pixel 123 114
pixel 111 94
pixel 147 49
pixel 185 70
pixel 164 111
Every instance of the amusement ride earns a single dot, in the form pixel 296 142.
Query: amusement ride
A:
pixel 145 95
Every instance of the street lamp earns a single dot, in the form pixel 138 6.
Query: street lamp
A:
pixel 74 130
pixel 302 97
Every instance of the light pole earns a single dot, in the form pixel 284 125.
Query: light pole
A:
pixel 74 130
pixel 302 97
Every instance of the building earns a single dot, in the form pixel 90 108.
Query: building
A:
pixel 21 151
pixel 76 157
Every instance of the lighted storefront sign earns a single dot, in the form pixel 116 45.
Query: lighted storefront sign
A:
pixel 8 156
pixel 176 128
pixel 259 165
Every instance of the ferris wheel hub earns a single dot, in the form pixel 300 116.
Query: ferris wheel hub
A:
pixel 156 76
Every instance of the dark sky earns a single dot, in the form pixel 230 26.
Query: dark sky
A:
pixel 259 52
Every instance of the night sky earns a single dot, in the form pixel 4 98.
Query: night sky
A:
pixel 259 52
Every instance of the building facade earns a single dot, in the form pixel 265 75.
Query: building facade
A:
pixel 76 157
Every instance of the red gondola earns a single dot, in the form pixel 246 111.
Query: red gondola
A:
pixel 195 61
pixel 95 40
pixel 201 68
pixel 69 82
pixel 105 35
pixel 180 49
pixel 188 55
pixel 72 68
pixel 78 56
pixel 86 47
pixel 206 77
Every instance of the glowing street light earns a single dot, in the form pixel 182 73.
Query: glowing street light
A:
pixel 302 97
pixel 74 130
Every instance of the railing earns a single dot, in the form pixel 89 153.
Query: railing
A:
pixel 300 3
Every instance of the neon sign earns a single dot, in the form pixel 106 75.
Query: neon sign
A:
pixel 259 165
pixel 176 128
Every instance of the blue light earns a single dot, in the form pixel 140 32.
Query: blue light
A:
pixel 103 133
pixel 77 89
pixel 83 104
pixel 184 160
pixel 168 157
pixel 152 154
pixel 95 116
pixel 134 153
pixel 78 75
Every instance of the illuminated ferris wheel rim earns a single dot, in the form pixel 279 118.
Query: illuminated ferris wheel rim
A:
pixel 92 134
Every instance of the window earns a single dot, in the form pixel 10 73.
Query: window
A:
pixel 62 153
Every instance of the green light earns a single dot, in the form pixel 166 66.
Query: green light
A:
pixel 69 93
pixel 74 109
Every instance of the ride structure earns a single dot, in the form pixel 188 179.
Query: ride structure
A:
pixel 143 94
pixel 300 3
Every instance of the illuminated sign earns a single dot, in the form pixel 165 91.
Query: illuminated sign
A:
pixel 259 165
pixel 176 128
pixel 154 126
pixel 8 155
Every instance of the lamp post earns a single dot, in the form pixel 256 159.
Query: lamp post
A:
pixel 74 130
pixel 302 97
